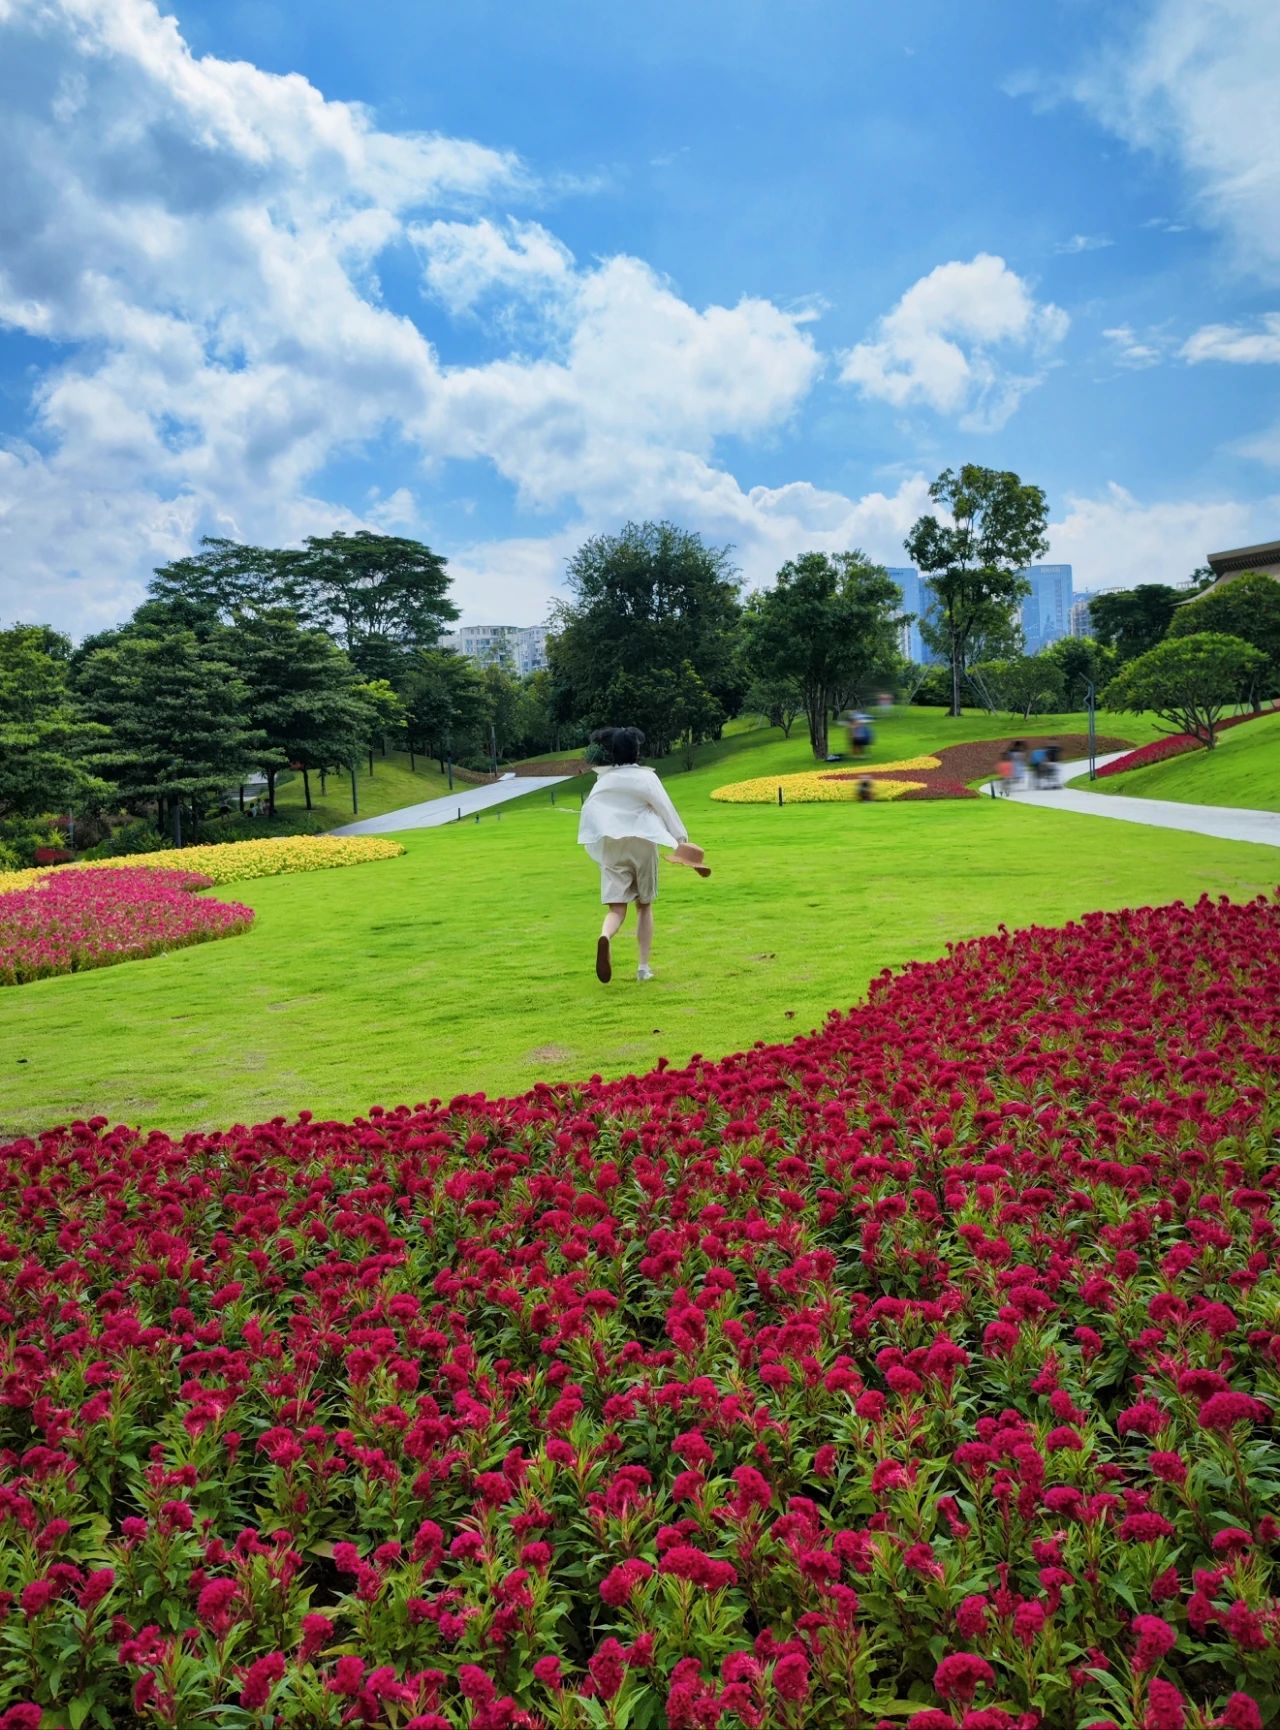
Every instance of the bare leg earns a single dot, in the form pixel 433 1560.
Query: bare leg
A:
pixel 614 919
pixel 644 930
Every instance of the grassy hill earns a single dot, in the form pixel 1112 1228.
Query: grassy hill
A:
pixel 1243 771
pixel 391 785
pixel 467 964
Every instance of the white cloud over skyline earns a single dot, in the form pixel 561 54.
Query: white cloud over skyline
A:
pixel 198 243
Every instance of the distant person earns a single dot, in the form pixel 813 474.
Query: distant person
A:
pixel 1036 765
pixel 1004 772
pixel 1052 758
pixel 1018 752
pixel 866 790
pixel 626 817
pixel 860 733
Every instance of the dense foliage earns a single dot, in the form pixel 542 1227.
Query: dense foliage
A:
pixel 925 1369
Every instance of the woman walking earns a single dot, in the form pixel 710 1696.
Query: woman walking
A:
pixel 626 817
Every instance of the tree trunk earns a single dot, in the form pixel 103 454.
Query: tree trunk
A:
pixel 306 787
pixel 413 766
pixel 162 815
pixel 371 762
pixel 242 798
pixel 384 744
pixel 324 777
pixel 955 684
pixel 816 715
pixel 271 792
pixel 177 822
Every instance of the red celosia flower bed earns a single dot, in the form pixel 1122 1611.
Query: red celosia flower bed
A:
pixel 960 764
pixel 71 921
pixel 924 1370
pixel 1172 745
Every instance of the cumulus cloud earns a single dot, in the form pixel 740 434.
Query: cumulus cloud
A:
pixel 967 340
pixel 1195 80
pixel 1234 342
pixel 1116 540
pixel 202 241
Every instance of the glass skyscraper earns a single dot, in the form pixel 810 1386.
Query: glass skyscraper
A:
pixel 917 598
pixel 1046 612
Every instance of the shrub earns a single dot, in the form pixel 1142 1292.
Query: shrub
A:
pixel 136 836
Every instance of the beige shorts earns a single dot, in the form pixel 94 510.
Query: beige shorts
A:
pixel 628 870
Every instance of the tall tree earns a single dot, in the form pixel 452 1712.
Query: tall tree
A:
pixel 1247 607
pixel 227 578
pixel 828 625
pixel 377 590
pixel 1131 621
pixel 301 696
pixel 643 602
pixel 446 704
pixel 43 737
pixel 174 712
pixel 1187 681
pixel 997 530
pixel 1084 662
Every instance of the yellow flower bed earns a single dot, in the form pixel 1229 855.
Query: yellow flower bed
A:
pixel 813 787
pixel 236 861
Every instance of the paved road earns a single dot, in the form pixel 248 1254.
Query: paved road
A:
pixel 1217 820
pixel 435 813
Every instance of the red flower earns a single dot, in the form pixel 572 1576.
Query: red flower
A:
pixel 259 1679
pixel 960 1675
pixel 1224 1411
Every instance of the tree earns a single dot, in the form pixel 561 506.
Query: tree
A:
pixel 1083 662
pixel 1022 684
pixel 1131 621
pixel 502 692
pixel 645 601
pixel 384 712
pixel 228 579
pixel 976 562
pixel 1187 681
pixel 174 713
pixel 377 590
pixel 828 625
pixel 42 735
pixel 1247 607
pixel 777 699
pixel 695 713
pixel 301 696
pixel 446 707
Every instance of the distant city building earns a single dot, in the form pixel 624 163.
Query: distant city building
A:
pixel 1081 617
pixel 1046 612
pixel 918 599
pixel 1263 558
pixel 523 648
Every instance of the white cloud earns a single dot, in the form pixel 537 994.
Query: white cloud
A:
pixel 960 341
pixel 203 238
pixel 464 261
pixel 1130 350
pixel 1233 342
pixel 1116 540
pixel 1195 81
pixel 1083 243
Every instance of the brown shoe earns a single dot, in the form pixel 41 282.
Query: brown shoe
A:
pixel 604 965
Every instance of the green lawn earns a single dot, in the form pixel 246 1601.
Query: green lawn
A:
pixel 467 964
pixel 391 785
pixel 1243 770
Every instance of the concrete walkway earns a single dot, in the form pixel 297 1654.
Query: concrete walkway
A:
pixel 1222 821
pixel 435 813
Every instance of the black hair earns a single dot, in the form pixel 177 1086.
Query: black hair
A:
pixel 616 745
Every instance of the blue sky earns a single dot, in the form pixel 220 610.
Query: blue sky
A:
pixel 503 275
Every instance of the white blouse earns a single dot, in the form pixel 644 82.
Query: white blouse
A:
pixel 628 801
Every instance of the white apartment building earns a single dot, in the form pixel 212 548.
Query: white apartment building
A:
pixel 522 647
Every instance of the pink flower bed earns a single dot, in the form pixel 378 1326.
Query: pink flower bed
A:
pixel 924 1371
pixel 71 921
pixel 1172 745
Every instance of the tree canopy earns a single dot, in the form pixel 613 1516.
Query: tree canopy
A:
pixel 975 562
pixel 1247 607
pixel 1131 621
pixel 42 736
pixel 1187 681
pixel 828 625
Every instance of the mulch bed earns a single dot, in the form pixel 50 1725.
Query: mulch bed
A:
pixel 959 764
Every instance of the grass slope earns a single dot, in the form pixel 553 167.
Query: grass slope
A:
pixel 391 785
pixel 467 964
pixel 1242 771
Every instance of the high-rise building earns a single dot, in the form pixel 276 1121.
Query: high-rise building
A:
pixel 1080 618
pixel 522 647
pixel 918 599
pixel 1046 612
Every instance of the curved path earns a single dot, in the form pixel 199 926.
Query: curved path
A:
pixel 435 813
pixel 1222 821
